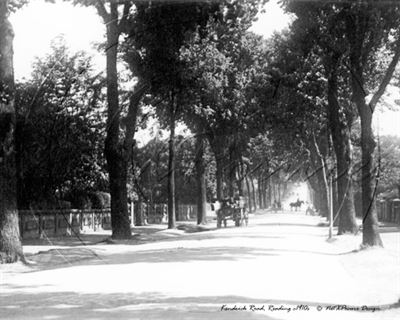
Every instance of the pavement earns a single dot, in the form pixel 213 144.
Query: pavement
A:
pixel 282 266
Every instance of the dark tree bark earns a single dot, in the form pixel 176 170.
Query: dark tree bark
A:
pixel 217 146
pixel 272 185
pixel 116 162
pixel 253 192
pixel 239 177
pixel 313 185
pixel 285 187
pixel 335 197
pixel 10 242
pixel 371 236
pixel 268 201
pixel 139 214
pixel 232 172
pixel 171 168
pixel 260 192
pixel 320 195
pixel 117 169
pixel 201 180
pixel 118 152
pixel 357 31
pixel 220 178
pixel 361 44
pixel 250 200
pixel 319 166
pixel 279 191
pixel 340 132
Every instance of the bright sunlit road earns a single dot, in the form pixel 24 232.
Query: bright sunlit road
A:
pixel 281 260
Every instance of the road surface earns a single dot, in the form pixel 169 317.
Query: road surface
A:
pixel 279 267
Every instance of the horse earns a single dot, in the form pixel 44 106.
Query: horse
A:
pixel 296 204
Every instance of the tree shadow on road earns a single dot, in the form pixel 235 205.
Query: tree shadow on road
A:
pixel 68 257
pixel 61 258
pixel 72 305
pixel 148 305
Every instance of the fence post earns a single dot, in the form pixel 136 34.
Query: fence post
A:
pixel 70 223
pixel 132 208
pixel 80 220
pixel 396 210
pixel 93 222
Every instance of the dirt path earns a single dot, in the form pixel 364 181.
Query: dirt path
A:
pixel 280 262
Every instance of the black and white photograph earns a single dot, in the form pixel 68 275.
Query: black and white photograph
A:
pixel 199 159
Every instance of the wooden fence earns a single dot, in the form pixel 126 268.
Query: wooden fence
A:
pixel 158 213
pixel 388 210
pixel 52 223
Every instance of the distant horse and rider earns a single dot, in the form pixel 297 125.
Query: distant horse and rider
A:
pixel 296 205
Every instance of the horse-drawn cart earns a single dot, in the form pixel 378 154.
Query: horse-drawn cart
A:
pixel 233 209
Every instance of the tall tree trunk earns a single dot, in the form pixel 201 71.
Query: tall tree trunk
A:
pixel 250 200
pixel 268 202
pixel 358 34
pixel 315 193
pixel 117 162
pixel 319 165
pixel 220 178
pixel 201 180
pixel 313 188
pixel 321 196
pixel 217 146
pixel 335 196
pixel 260 191
pixel 22 195
pixel 279 192
pixel 253 192
pixel 171 169
pixel 10 242
pixel 240 177
pixel 285 187
pixel 139 214
pixel 231 173
pixel 273 186
pixel 342 145
pixel 371 236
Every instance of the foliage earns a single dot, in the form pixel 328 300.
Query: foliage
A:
pixel 159 49
pixel 89 200
pixel 297 96
pixel 60 130
pixel 14 5
pixel 390 166
pixel 223 69
pixel 151 168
